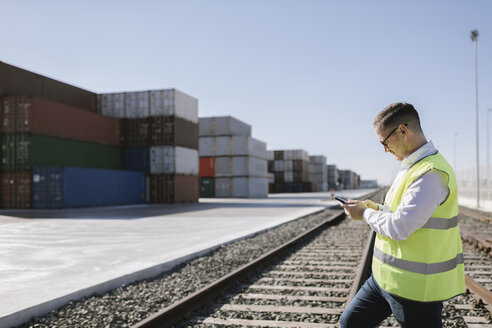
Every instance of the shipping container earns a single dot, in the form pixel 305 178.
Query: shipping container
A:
pixel 137 104
pixel 232 146
pixel 70 187
pixel 48 187
pixel 232 166
pixel 294 187
pixel 207 166
pixel 296 154
pixel 241 187
pixel 173 131
pixel 207 187
pixel 136 159
pixel 23 151
pixel 173 189
pixel 173 160
pixel 15 81
pixel 135 132
pixel 21 114
pixel 271 155
pixel 16 189
pixel 173 102
pixel 223 126
pixel 278 154
pixel 112 104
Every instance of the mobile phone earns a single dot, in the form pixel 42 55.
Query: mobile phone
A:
pixel 341 200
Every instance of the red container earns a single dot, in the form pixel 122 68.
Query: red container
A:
pixel 21 114
pixel 15 81
pixel 168 188
pixel 207 166
pixel 16 189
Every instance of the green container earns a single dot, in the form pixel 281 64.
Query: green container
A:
pixel 24 151
pixel 207 189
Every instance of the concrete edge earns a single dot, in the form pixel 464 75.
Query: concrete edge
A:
pixel 25 315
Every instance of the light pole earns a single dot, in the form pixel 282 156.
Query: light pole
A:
pixel 454 151
pixel 474 37
pixel 488 168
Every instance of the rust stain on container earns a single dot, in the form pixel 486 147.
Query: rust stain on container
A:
pixel 21 114
pixel 15 81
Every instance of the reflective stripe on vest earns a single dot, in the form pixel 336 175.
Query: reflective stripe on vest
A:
pixel 417 267
pixel 441 223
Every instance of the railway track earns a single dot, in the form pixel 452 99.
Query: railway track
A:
pixel 310 285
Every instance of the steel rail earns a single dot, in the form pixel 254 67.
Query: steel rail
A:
pixel 474 214
pixel 484 294
pixel 179 310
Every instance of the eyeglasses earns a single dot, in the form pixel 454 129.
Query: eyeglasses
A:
pixel 389 135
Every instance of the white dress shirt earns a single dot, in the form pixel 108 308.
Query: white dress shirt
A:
pixel 422 198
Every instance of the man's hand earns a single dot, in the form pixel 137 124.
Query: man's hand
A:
pixel 371 204
pixel 354 209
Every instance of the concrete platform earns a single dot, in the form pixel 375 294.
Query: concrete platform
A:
pixel 49 257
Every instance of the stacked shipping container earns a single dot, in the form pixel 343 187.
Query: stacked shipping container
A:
pixel 349 179
pixel 41 135
pixel 291 171
pixel 159 135
pixel 318 174
pixel 232 163
pixel 333 177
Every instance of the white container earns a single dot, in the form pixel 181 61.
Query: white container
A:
pixel 240 166
pixel 223 126
pixel 317 159
pixel 172 102
pixel 206 146
pixel 173 160
pixel 296 154
pixel 288 176
pixel 278 165
pixel 241 187
pixel 288 165
pixel 223 187
pixel 271 155
pixel 232 146
pixel 319 186
pixel 137 104
pixel 244 145
pixel 112 104
pixel 317 168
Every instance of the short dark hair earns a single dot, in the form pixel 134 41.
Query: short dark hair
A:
pixel 397 113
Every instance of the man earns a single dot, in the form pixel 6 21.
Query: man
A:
pixel 418 257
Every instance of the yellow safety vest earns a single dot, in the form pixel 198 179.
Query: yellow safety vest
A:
pixel 428 265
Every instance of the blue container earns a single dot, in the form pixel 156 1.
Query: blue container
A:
pixel 47 187
pixel 136 159
pixel 82 187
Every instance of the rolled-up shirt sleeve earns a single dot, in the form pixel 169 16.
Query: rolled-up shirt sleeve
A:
pixel 422 198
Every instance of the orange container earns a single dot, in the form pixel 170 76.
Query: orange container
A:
pixel 207 166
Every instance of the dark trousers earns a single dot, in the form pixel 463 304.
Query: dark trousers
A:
pixel 372 305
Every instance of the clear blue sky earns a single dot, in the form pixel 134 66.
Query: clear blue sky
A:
pixel 305 74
